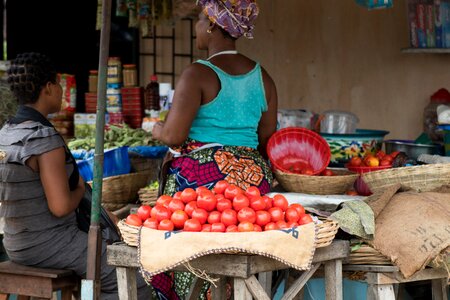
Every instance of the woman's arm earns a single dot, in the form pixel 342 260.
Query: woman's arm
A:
pixel 268 123
pixel 52 168
pixel 186 102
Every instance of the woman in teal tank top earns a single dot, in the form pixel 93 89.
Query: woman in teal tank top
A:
pixel 224 108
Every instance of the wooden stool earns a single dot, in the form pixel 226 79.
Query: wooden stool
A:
pixel 35 282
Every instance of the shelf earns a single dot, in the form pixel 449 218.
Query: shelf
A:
pixel 426 50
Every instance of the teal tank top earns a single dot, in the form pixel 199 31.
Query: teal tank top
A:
pixel 232 118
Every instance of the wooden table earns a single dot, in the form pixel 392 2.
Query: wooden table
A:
pixel 383 280
pixel 241 268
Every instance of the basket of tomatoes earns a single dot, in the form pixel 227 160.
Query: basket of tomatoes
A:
pixel 225 208
pixel 370 162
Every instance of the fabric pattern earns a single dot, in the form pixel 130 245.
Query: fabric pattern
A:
pixel 241 166
pixel 234 16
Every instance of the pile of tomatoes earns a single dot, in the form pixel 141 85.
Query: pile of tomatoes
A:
pixel 225 208
pixel 305 168
pixel 370 160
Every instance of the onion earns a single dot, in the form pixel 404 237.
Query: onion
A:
pixel 361 187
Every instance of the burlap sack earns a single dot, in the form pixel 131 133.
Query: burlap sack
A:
pixel 293 247
pixel 412 228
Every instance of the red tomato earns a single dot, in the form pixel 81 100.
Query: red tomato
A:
pixel 144 212
pixel 256 227
pixel 271 226
pixel 201 189
pixel 276 214
pixel 220 186
pixel 291 215
pixel 164 200
pixel 220 196
pixel 207 201
pixel 229 217
pixel 200 214
pixel 257 203
pixel 240 201
pixel 252 192
pixel 177 195
pixel 161 213
pixel 281 224
pixel 189 208
pixel 385 162
pixel 245 226
pixel 232 228
pixel 394 154
pixel 223 204
pixel 299 208
pixel 280 201
pixel 188 195
pixel 307 171
pixel 380 154
pixel 206 228
pixel 351 193
pixel 262 217
pixel 192 225
pixel 165 225
pixel 246 214
pixel 176 205
pixel 232 191
pixel 327 172
pixel 178 218
pixel 305 219
pixel 291 224
pixel 214 217
pixel 151 223
pixel 218 227
pixel 268 201
pixel 133 220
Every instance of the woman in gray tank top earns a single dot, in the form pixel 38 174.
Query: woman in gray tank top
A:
pixel 40 186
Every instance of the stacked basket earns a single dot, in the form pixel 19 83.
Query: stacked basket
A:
pixel 294 143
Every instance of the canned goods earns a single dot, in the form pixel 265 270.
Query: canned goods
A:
pixel 114 74
pixel 129 75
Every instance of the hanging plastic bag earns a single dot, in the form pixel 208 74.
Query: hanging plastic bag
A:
pixel 375 4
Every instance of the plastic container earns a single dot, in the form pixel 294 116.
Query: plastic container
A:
pixel 116 162
pixel 292 145
pixel 93 81
pixel 430 121
pixel 295 118
pixel 151 95
pixel 130 75
pixel 114 74
pixel 445 129
pixel 338 122
pixel 410 148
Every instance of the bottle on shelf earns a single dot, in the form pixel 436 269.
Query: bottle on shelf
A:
pixel 151 96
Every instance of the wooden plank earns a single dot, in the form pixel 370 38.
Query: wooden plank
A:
pixel 29 285
pixel 240 290
pixel 195 289
pixel 439 289
pixel 219 292
pixel 299 283
pixel 121 255
pixel 380 292
pixel 255 288
pixel 126 283
pixel 265 279
pixel 333 279
pixel 397 277
pixel 370 268
pixel 8 267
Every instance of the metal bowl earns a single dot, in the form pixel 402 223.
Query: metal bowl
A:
pixel 410 148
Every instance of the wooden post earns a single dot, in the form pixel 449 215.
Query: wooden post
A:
pixel 333 279
pixel 126 283
pixel 240 290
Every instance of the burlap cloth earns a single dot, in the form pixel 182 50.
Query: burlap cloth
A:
pixel 160 251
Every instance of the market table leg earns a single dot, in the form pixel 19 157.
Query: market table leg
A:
pixel 299 283
pixel 195 289
pixel 380 292
pixel 265 279
pixel 240 289
pixel 219 292
pixel 333 280
pixel 255 288
pixel 439 289
pixel 126 283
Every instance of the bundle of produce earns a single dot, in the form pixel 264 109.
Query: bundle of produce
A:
pixel 149 194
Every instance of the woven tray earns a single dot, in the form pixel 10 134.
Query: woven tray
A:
pixel 325 235
pixel 420 178
pixel 148 196
pixel 366 255
pixel 319 185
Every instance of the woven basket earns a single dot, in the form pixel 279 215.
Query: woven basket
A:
pixel 148 196
pixel 366 255
pixel 420 178
pixel 120 190
pixel 325 235
pixel 320 185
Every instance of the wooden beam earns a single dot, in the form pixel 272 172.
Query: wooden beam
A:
pixel 255 288
pixel 195 289
pixel 265 279
pixel 380 292
pixel 333 279
pixel 299 283
pixel 397 277
pixel 370 268
pixel 219 292
pixel 240 290
pixel 439 288
pixel 126 283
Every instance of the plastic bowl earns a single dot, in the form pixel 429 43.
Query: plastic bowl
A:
pixel 293 145
pixel 345 146
pixel 116 162
pixel 411 149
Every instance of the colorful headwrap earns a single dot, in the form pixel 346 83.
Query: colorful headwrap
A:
pixel 234 16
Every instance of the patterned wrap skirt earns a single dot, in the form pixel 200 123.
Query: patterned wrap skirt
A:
pixel 199 164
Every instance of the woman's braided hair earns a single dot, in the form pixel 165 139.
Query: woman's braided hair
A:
pixel 28 74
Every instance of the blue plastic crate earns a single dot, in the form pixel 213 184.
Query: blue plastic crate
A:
pixel 116 162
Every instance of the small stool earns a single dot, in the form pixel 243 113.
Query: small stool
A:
pixel 35 282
